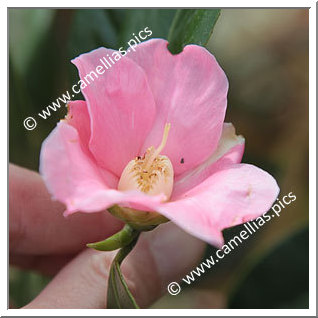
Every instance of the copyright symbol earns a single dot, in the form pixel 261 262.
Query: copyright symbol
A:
pixel 174 288
pixel 29 123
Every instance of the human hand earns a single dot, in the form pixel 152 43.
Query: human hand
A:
pixel 42 239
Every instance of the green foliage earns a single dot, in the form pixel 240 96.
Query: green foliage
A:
pixel 25 286
pixel 131 21
pixel 191 26
pixel 27 29
pixel 290 290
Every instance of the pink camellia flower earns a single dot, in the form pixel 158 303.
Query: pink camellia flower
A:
pixel 150 142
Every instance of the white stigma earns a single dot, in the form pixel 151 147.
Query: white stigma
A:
pixel 152 173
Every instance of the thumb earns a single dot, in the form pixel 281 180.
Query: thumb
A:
pixel 161 256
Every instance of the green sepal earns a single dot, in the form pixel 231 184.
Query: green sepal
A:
pixel 116 241
pixel 137 219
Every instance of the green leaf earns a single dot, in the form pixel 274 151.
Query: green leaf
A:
pixel 119 295
pixel 116 241
pixel 191 27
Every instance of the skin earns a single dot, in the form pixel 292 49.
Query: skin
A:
pixel 41 239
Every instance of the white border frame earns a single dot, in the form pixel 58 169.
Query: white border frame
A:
pixel 312 166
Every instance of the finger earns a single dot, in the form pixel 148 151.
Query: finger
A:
pixel 161 256
pixel 37 225
pixel 44 264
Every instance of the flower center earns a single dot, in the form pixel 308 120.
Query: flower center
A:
pixel 152 173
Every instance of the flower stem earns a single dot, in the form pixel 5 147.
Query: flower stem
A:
pixel 123 252
pixel 119 295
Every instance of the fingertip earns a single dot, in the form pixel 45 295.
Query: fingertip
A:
pixel 175 252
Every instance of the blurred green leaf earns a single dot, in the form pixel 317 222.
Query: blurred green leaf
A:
pixel 25 286
pixel 43 79
pixel 192 27
pixel 84 36
pixel 133 20
pixel 286 287
pixel 27 29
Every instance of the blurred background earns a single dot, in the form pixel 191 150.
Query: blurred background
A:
pixel 265 56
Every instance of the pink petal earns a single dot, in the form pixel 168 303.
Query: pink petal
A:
pixel 121 108
pixel 104 199
pixel 190 92
pixel 74 179
pixel 231 196
pixel 230 150
pixel 67 171
pixel 78 117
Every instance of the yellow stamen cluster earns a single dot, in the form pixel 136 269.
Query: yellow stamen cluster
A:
pixel 152 173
